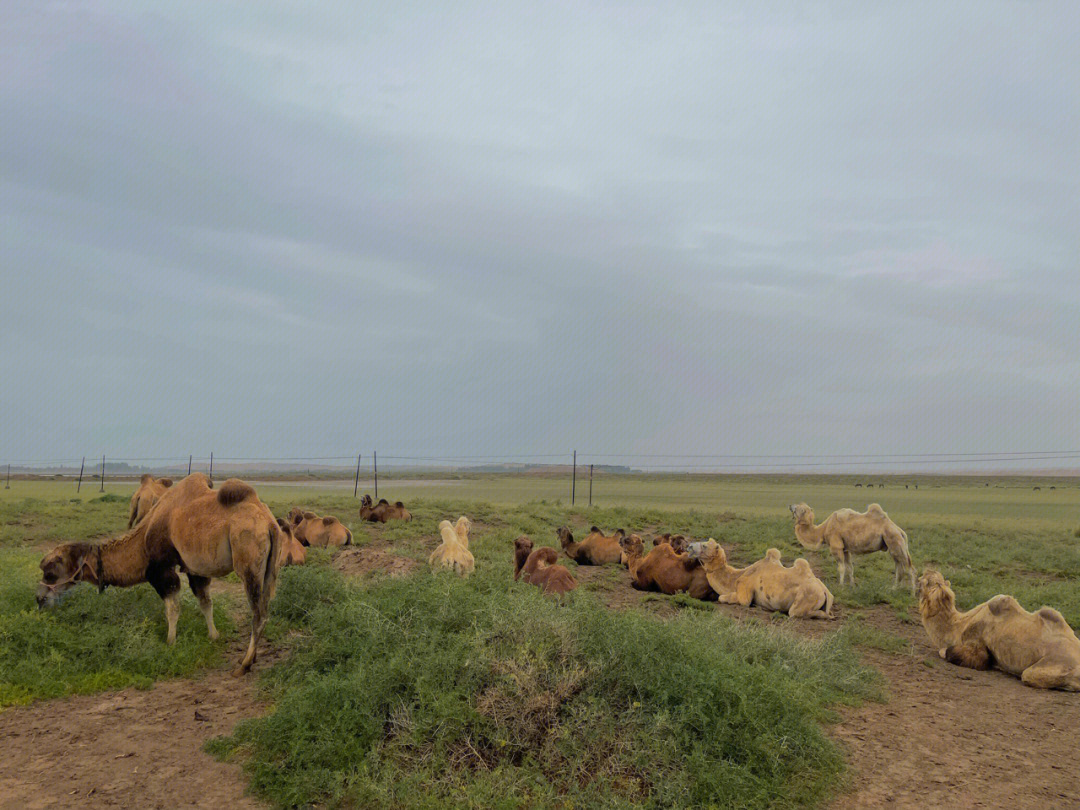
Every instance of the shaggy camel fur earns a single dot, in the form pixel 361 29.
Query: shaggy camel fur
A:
pixel 664 570
pixel 541 568
pixel 149 491
pixel 292 550
pixel 204 532
pixel 848 532
pixel 320 532
pixel 678 542
pixel 767 583
pixel 1038 647
pixel 453 553
pixel 383 510
pixel 596 549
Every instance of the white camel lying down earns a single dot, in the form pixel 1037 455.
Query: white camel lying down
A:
pixel 453 553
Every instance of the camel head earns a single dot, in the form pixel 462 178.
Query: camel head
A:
pixel 801 513
pixel 632 546
pixel 565 537
pixel 296 516
pixel 523 547
pixel 709 554
pixel 63 568
pixel 935 593
pixel 461 529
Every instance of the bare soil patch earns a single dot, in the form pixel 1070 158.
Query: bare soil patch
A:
pixel 364 561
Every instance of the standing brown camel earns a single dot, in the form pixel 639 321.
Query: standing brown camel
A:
pixel 204 532
pixel 540 568
pixel 383 510
pixel 149 492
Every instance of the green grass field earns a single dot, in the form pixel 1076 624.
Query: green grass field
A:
pixel 427 691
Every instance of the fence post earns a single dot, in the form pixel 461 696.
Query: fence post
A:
pixel 189 464
pixel 590 486
pixel 7 483
pixel 356 484
pixel 81 466
pixel 375 460
pixel 211 466
pixel 102 472
pixel 573 480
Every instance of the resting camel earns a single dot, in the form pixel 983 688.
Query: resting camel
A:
pixel 596 549
pixel 678 542
pixel 1038 647
pixel 453 553
pixel 205 532
pixel 541 568
pixel 149 491
pixel 848 532
pixel 292 550
pixel 767 583
pixel 662 569
pixel 320 532
pixel 383 510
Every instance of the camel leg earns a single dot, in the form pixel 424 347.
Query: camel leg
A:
pixel 972 656
pixel 850 568
pixel 200 586
pixel 841 566
pixel 805 606
pixel 1045 674
pixel 167 584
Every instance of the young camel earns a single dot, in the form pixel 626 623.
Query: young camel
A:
pixel 596 549
pixel 767 583
pixel 320 532
pixel 149 492
pixel 205 533
pixel 848 532
pixel 664 570
pixel 1038 647
pixel 453 553
pixel 541 568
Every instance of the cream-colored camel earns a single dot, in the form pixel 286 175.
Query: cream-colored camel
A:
pixel 848 532
pixel 206 533
pixel 1040 648
pixel 767 583
pixel 453 553
pixel 149 492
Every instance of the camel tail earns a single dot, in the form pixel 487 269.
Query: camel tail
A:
pixel 269 584
pixel 348 537
pixel 828 601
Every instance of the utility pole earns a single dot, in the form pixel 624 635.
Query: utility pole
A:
pixel 211 466
pixel 189 465
pixel 590 486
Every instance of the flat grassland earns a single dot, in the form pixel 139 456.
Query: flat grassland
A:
pixel 388 686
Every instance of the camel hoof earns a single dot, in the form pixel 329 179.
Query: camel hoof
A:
pixel 240 672
pixel 214 636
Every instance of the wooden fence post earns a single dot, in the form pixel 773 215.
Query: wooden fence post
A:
pixel 189 464
pixel 375 460
pixel 7 483
pixel 211 466
pixel 356 484
pixel 81 466
pixel 573 481
pixel 102 472
pixel 590 486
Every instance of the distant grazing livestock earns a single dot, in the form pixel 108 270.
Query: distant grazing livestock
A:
pixel 848 532
pixel 205 532
pixel 383 510
pixel 149 492
pixel 1040 648
pixel 596 549
pixel 320 532
pixel 664 570
pixel 453 553
pixel 541 568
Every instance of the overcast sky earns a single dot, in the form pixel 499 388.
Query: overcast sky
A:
pixel 284 229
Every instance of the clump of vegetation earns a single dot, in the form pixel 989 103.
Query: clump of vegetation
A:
pixel 110 497
pixel 432 691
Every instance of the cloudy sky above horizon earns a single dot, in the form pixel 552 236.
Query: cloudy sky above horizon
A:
pixel 734 228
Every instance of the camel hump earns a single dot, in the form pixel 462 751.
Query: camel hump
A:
pixel 594 529
pixel 329 521
pixel 399 504
pixel 620 533
pixel 875 510
pixel 802 565
pixel 1052 616
pixel 1002 603
pixel 773 554
pixel 165 482
pixel 146 478
pixel 233 492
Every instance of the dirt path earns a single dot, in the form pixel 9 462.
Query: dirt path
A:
pixel 132 748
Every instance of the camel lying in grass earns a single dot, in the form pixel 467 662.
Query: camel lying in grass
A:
pixel 678 542
pixel 204 532
pixel 149 492
pixel 383 510
pixel 664 570
pixel 541 568
pixel 848 532
pixel 453 552
pixel 292 551
pixel 1040 648
pixel 320 532
pixel 596 549
pixel 767 583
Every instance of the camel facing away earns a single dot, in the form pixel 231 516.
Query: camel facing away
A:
pixel 541 568
pixel 1040 648
pixel 665 570
pixel 767 583
pixel 453 552
pixel 206 533
pixel 292 551
pixel 149 492
pixel 383 510
pixel 848 533
pixel 596 549
pixel 320 532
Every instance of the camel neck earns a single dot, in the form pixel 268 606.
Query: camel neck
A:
pixel 122 561
pixel 809 535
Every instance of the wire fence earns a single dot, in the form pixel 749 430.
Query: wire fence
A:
pixel 572 476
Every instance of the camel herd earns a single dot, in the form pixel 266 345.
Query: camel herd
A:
pixel 193 529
